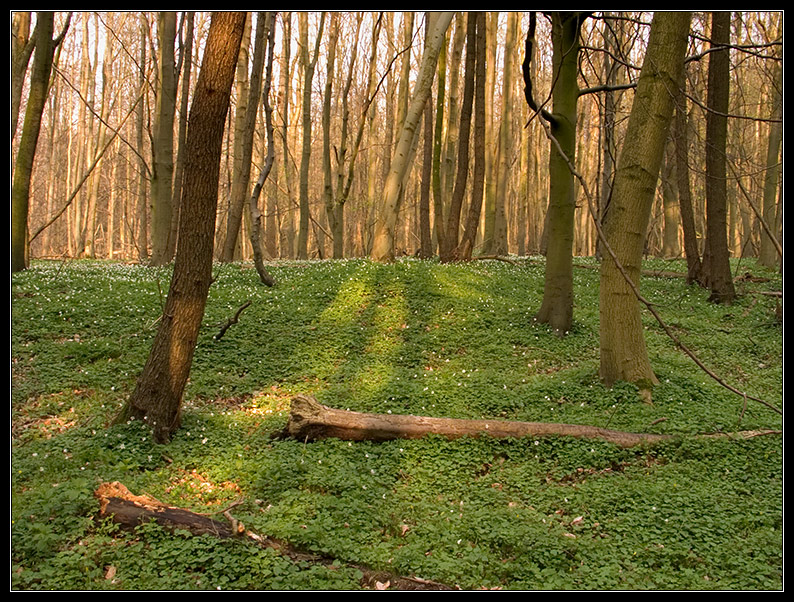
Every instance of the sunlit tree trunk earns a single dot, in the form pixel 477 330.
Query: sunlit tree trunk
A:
pixel 142 233
pixel 452 226
pixel 309 62
pixel 163 141
pixel 501 199
pixel 768 255
pixel 383 245
pixel 230 247
pixel 622 344
pixel 21 50
pixel 186 58
pixel 157 396
pixel 286 232
pixel 265 45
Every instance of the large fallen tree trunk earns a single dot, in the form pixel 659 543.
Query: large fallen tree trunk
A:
pixel 309 419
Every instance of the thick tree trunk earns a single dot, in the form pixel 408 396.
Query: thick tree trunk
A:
pixel 158 394
pixel 556 309
pixel 310 420
pixel 622 343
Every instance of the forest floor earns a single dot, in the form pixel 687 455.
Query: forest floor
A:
pixel 414 337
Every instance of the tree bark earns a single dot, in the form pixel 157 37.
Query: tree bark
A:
pixel 158 393
pixel 622 345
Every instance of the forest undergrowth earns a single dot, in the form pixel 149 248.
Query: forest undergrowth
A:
pixel 412 337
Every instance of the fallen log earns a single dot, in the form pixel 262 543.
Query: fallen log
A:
pixel 117 503
pixel 310 420
pixel 130 511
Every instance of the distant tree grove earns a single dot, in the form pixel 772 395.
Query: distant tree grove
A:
pixel 380 134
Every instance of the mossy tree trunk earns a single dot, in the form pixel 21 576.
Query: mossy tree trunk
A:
pixel 622 344
pixel 158 394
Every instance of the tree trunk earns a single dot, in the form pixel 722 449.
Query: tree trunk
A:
pixel 452 226
pixel 768 255
pixel 264 44
pixel 681 138
pixel 179 166
pixel 310 420
pixel 309 62
pixel 466 247
pixel 163 141
pixel 158 394
pixel 622 344
pixel 718 269
pixel 383 246
pixel 242 150
pixel 425 237
pixel 23 168
pixel 556 309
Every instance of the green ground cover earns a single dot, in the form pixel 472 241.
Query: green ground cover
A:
pixel 414 337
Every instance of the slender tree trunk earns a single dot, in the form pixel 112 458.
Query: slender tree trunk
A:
pixel 23 168
pixel 425 237
pixel 238 193
pixel 768 255
pixel 622 344
pixel 21 50
pixel 451 235
pixel 179 166
pixel 718 270
pixel 670 246
pixel 309 61
pixel 163 152
pixel 157 396
pixel 254 215
pixel 681 137
pixel 466 245
pixel 383 246
pixel 501 197
pixel 142 232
